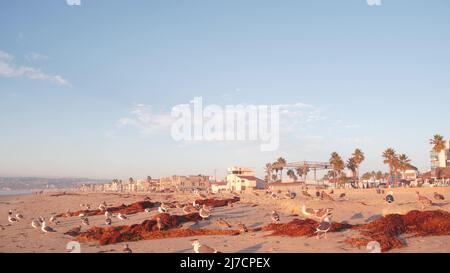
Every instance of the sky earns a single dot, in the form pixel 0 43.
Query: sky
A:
pixel 87 90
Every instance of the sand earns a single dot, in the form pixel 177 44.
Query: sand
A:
pixel 358 207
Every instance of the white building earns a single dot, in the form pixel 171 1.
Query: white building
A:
pixel 243 179
pixel 219 186
pixel 441 159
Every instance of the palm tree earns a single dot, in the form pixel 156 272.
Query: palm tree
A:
pixel 438 143
pixel 352 166
pixel 405 164
pixel 281 163
pixel 269 170
pixel 337 164
pixel 391 159
pixel 131 180
pixel 291 174
pixel 358 157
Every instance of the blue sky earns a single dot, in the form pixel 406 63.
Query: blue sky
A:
pixel 373 76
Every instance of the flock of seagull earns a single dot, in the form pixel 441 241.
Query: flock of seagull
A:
pixel 323 215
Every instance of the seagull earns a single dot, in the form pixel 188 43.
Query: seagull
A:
pixel 126 249
pixel 19 216
pixel 323 227
pixel 85 221
pixel 242 228
pixel 36 224
pixel 148 210
pixel 162 209
pixel 223 223
pixel 204 214
pixel 195 205
pixel 342 195
pixel 74 231
pixel 108 214
pixel 275 216
pixel 198 248
pixel 318 213
pixel 81 215
pixel 423 200
pixel 331 192
pixel 108 221
pixel 121 216
pixel 46 229
pixel 54 220
pixel 438 196
pixel 324 195
pixel 102 206
pixel 390 198
pixel 68 214
pixel 317 194
pixel 305 193
pixel 12 219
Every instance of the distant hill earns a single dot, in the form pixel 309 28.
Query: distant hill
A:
pixel 38 183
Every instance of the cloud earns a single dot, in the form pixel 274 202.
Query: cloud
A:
pixel 33 56
pixel 374 2
pixel 9 69
pixel 145 121
pixel 73 2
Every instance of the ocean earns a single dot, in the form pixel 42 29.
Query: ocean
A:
pixel 21 192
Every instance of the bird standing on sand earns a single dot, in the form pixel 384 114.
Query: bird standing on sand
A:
pixel 331 192
pixel 323 227
pixel 36 224
pixel 148 210
pixel 342 195
pixel 108 214
pixel 85 221
pixel 242 228
pixel 318 213
pixel 306 194
pixel 46 229
pixel 121 217
pixel 126 249
pixel 390 197
pixel 11 219
pixel 275 216
pixel 423 200
pixel 324 195
pixel 196 206
pixel 204 214
pixel 162 208
pixel 102 206
pixel 317 194
pixel 108 221
pixel 54 220
pixel 438 196
pixel 198 248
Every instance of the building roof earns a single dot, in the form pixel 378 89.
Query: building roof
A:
pixel 220 183
pixel 247 177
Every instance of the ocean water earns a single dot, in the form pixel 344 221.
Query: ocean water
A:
pixel 11 193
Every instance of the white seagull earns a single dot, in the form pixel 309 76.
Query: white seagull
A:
pixel 204 214
pixel 12 219
pixel 108 221
pixel 275 216
pixel 19 216
pixel 46 229
pixel 390 197
pixel 198 248
pixel 36 224
pixel 121 216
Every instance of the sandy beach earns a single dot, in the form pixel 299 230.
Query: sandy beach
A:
pixel 357 207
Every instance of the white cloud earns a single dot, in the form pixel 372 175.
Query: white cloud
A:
pixel 9 69
pixel 374 2
pixel 147 122
pixel 33 56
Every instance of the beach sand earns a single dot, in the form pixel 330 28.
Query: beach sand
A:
pixel 358 207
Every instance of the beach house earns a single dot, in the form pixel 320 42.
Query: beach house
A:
pixel 243 179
